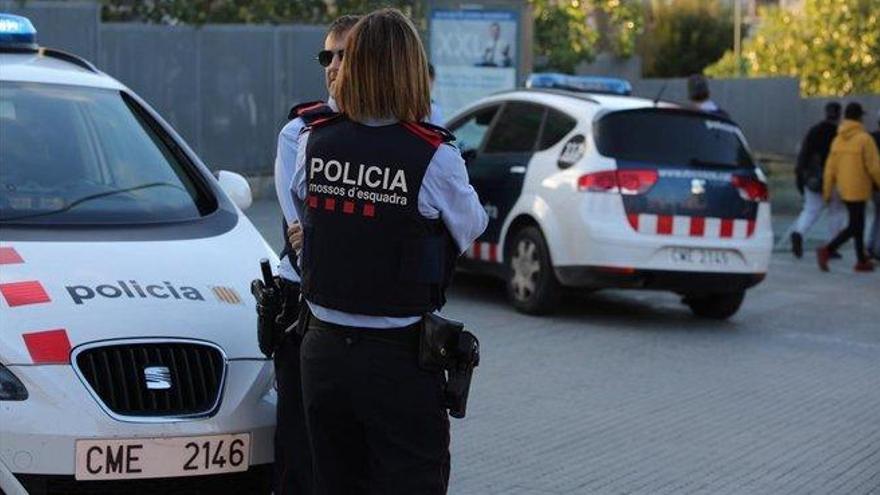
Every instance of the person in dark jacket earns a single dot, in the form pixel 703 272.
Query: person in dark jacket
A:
pixel 808 175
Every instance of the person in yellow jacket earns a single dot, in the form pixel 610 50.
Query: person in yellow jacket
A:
pixel 853 167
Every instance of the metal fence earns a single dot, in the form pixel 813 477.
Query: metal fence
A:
pixel 227 88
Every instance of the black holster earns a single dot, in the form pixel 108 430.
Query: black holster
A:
pixel 277 310
pixel 446 346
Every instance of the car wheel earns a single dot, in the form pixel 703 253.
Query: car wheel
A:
pixel 715 306
pixel 531 284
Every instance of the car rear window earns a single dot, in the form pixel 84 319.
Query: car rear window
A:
pixel 74 155
pixel 671 137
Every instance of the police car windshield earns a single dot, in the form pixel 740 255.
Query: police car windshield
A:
pixel 670 137
pixel 74 155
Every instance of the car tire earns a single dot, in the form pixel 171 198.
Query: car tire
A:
pixel 716 306
pixel 532 287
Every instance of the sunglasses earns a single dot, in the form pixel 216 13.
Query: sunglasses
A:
pixel 325 57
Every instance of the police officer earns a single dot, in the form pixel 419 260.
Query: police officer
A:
pixel 382 197
pixel 293 463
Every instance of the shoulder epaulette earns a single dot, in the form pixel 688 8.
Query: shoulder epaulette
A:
pixel 307 108
pixel 433 134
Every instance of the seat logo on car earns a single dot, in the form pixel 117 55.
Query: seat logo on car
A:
pixel 157 377
pixel 698 186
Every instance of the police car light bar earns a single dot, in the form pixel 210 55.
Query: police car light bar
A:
pixel 17 32
pixel 585 84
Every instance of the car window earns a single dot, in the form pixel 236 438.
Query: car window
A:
pixel 556 126
pixel 73 155
pixel 517 128
pixel 671 138
pixel 470 131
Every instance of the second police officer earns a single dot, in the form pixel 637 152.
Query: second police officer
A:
pixel 293 463
pixel 379 194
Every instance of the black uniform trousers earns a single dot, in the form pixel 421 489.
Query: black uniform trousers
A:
pixel 376 420
pixel 293 459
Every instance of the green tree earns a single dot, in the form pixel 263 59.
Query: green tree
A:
pixel 566 31
pixel 684 37
pixel 833 46
pixel 246 11
pixel 562 36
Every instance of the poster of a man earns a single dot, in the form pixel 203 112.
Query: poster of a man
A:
pixel 497 51
pixel 475 54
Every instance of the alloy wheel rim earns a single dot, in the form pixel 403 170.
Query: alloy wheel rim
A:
pixel 526 269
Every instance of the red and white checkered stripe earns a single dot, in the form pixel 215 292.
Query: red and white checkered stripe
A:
pixel 44 346
pixel 678 225
pixel 484 251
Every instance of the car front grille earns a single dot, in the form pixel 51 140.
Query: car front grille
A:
pixel 154 379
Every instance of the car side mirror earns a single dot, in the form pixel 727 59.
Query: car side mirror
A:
pixel 236 187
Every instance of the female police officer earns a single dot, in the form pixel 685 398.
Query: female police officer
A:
pixel 379 193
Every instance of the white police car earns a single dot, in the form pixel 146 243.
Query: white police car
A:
pixel 128 357
pixel 587 187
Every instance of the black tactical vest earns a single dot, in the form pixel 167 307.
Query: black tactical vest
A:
pixel 367 248
pixel 309 112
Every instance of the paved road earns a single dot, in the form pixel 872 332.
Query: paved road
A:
pixel 624 392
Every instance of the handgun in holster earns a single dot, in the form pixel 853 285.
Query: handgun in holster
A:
pixel 446 346
pixel 277 308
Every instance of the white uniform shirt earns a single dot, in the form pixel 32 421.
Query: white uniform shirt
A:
pixel 446 193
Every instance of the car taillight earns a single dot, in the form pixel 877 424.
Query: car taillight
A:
pixel 750 188
pixel 629 182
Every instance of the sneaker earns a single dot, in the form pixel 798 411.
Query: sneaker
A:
pixel 797 244
pixel 864 266
pixel 822 256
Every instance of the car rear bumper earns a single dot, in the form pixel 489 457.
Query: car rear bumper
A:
pixel 683 282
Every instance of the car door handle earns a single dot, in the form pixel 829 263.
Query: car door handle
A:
pixel 517 169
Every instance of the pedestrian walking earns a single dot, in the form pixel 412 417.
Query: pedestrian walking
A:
pixel 384 201
pixel 293 460
pixel 874 237
pixel 809 172
pixel 853 163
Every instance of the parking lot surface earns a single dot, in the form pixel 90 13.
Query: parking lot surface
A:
pixel 625 392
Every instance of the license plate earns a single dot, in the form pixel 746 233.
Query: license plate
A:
pixel 162 457
pixel 700 256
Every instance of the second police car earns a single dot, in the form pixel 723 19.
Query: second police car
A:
pixel 587 187
pixel 128 360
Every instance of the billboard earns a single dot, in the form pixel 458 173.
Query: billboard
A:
pixel 474 53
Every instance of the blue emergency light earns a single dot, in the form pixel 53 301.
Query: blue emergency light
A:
pixel 586 84
pixel 17 32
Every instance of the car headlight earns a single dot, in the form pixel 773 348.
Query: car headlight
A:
pixel 11 387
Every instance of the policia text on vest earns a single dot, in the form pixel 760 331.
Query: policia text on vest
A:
pixel 353 178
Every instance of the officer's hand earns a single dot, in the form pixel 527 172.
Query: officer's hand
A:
pixel 295 236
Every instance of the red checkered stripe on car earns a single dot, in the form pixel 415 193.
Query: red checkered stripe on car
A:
pixel 484 251
pixel 685 226
pixel 44 346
